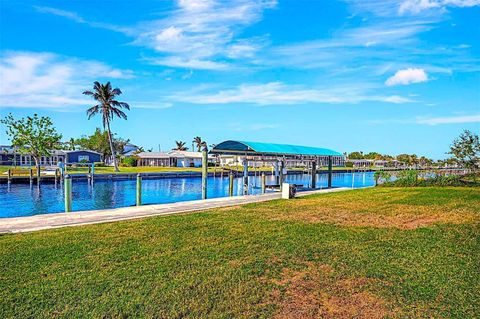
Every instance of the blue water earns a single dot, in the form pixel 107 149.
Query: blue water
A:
pixel 25 200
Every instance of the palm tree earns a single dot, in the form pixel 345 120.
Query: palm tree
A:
pixel 197 140
pixel 108 107
pixel 72 143
pixel 180 146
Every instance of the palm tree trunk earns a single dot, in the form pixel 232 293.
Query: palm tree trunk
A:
pixel 112 150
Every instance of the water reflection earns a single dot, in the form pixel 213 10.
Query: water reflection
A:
pixel 25 199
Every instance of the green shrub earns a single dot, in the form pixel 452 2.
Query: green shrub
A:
pixel 100 164
pixel 382 177
pixel 412 178
pixel 128 162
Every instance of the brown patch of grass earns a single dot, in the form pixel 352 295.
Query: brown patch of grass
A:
pixel 314 292
pixel 352 210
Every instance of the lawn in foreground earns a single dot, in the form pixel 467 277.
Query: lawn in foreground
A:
pixel 370 253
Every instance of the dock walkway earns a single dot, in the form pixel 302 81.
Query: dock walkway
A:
pixel 57 220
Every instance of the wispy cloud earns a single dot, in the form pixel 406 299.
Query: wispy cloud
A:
pixel 407 76
pixel 417 6
pixel 394 8
pixel 198 34
pixel 474 118
pixel 73 16
pixel 281 94
pixel 32 79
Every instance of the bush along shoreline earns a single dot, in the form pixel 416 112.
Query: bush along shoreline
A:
pixel 415 178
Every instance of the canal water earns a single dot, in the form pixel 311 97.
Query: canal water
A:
pixel 25 200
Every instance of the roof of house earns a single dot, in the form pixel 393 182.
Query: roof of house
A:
pixel 243 147
pixel 64 152
pixel 186 154
pixel 153 155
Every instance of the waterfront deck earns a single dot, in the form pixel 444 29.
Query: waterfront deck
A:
pixel 57 220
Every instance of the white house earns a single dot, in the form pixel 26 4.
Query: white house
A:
pixel 171 159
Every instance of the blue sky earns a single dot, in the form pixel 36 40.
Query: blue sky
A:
pixel 389 76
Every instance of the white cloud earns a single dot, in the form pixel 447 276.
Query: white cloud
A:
pixel 197 35
pixel 30 79
pixel 407 76
pixel 195 4
pixel 475 118
pixel 417 6
pixel 281 94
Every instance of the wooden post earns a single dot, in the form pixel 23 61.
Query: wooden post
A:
pixel 282 166
pixel 138 198
pixel 9 176
pixel 230 184
pixel 204 172
pixel 31 174
pixel 330 172
pixel 314 174
pixel 68 193
pixel 245 176
pixel 264 184
pixel 277 177
pixel 93 171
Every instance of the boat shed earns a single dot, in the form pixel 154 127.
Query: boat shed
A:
pixel 278 154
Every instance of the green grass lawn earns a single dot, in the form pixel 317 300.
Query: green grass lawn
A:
pixel 371 253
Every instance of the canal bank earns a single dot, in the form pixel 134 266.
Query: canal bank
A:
pixel 58 220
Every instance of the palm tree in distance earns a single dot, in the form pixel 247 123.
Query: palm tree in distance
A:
pixel 180 146
pixel 109 107
pixel 197 140
pixel 72 144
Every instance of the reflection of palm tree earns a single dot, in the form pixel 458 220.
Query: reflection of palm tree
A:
pixel 180 146
pixel 108 107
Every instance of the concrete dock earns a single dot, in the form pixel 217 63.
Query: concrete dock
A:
pixel 57 220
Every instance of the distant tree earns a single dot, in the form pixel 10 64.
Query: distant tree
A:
pixel 109 107
pixel 197 140
pixel 35 136
pixel 373 156
pixel 404 158
pixel 99 142
pixel 180 146
pixel 356 155
pixel 72 144
pixel 466 150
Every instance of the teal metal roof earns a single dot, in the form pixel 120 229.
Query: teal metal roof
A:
pixel 242 147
